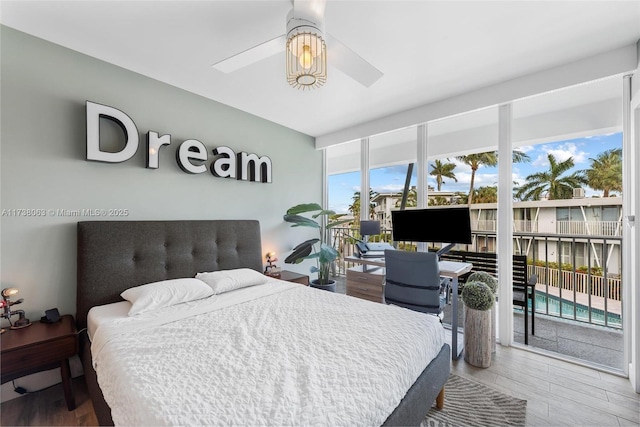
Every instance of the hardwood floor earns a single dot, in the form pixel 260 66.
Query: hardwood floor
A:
pixel 558 393
pixel 48 408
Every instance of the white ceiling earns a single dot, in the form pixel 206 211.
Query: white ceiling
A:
pixel 427 50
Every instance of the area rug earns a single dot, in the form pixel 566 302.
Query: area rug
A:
pixel 469 403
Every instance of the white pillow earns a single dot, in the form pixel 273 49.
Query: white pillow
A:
pixel 164 294
pixel 228 280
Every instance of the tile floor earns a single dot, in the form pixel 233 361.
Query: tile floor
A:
pixel 590 343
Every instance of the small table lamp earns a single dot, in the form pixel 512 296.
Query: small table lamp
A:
pixel 6 304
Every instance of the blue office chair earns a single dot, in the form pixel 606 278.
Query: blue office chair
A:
pixel 413 281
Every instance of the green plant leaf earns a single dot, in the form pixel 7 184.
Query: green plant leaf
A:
pixel 484 277
pixel 300 221
pixel 305 207
pixel 478 296
pixel 323 212
pixel 301 251
pixel 327 254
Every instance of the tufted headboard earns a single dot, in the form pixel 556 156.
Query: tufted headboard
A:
pixel 116 255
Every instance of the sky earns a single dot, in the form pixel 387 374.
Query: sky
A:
pixel 391 179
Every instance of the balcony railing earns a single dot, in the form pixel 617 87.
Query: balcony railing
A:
pixel 575 288
pixel 586 228
pixel 590 228
pixel 518 225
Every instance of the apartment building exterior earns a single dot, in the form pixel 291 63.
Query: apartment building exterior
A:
pixel 582 232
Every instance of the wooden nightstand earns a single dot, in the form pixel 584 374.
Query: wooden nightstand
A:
pixel 40 347
pixel 290 276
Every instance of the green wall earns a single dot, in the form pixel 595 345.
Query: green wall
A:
pixel 43 142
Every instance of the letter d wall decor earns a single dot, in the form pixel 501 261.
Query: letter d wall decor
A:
pixel 226 162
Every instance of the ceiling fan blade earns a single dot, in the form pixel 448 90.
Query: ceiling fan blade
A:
pixel 252 55
pixel 350 63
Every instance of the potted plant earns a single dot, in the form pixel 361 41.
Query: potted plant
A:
pixel 486 278
pixel 492 282
pixel 320 248
pixel 478 299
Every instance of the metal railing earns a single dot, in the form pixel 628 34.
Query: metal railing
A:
pixel 518 225
pixel 585 228
pixel 590 228
pixel 571 285
pixel 579 276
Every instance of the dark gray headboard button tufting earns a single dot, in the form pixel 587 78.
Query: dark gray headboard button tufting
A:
pixel 116 255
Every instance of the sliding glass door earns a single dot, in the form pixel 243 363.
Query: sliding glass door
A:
pixel 562 189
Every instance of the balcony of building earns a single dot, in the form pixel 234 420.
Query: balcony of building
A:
pixel 578 300
pixel 580 228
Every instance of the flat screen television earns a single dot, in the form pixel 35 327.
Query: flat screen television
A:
pixel 438 225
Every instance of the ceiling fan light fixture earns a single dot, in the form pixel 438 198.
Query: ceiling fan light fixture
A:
pixel 306 60
pixel 305 51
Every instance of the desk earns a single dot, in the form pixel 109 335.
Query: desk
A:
pixel 450 269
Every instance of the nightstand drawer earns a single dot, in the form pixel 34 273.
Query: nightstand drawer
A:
pixel 373 275
pixel 367 278
pixel 38 354
pixel 366 282
pixel 365 291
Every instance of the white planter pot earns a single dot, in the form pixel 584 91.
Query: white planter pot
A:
pixel 493 327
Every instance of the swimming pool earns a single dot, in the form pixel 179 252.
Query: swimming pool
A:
pixel 582 311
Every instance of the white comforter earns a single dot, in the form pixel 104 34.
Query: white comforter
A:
pixel 274 354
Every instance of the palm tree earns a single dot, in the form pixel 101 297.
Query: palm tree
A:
pixel 463 198
pixel 442 170
pixel 486 195
pixel 606 172
pixel 412 198
pixel 354 208
pixel 552 182
pixel 438 201
pixel 474 161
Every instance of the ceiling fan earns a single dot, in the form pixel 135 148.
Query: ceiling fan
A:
pixel 306 45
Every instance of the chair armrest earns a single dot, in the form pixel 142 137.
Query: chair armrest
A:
pixel 445 286
pixel 445 283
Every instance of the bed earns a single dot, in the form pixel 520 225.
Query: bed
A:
pixel 276 353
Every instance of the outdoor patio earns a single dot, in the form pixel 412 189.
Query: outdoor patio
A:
pixel 579 340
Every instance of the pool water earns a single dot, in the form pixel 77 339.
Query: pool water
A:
pixel 582 311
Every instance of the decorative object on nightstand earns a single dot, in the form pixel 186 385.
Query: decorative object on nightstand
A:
pixel 478 299
pixel 6 305
pixel 39 348
pixel 323 252
pixel 51 316
pixel 272 269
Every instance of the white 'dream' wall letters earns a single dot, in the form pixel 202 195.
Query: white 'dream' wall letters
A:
pixel 226 162
pixel 94 113
pixel 154 142
pixel 191 149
